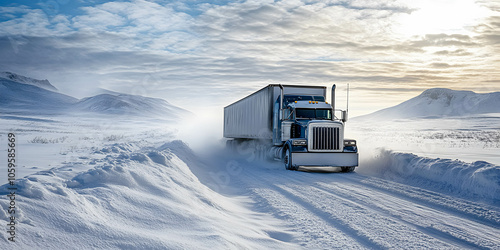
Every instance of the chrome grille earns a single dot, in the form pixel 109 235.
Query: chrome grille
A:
pixel 325 138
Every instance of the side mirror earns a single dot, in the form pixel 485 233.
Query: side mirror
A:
pixel 344 116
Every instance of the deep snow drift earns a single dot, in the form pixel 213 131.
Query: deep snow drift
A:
pixel 99 185
pixel 138 199
pixel 477 180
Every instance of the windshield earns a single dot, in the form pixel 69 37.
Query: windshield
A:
pixel 318 114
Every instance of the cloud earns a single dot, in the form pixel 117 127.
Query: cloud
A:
pixel 489 31
pixel 444 40
pixel 33 22
pixel 444 65
pixel 456 52
pixel 134 17
pixel 99 19
pixel 212 51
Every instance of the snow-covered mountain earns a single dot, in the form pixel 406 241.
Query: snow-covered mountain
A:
pixel 128 104
pixel 18 97
pixel 441 102
pixel 27 96
pixel 27 80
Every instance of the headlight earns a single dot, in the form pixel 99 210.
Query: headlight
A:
pixel 349 143
pixel 299 142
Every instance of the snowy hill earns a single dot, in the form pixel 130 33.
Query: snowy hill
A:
pixel 16 97
pixel 27 96
pixel 27 80
pixel 121 104
pixel 440 102
pixel 127 197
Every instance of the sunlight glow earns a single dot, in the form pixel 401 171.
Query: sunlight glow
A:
pixel 441 16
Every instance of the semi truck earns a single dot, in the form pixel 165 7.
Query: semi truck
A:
pixel 297 125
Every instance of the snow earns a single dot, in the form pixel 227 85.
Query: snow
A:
pixel 121 191
pixel 28 99
pixel 129 105
pixel 132 184
pixel 24 95
pixel 453 152
pixel 478 179
pixel 45 84
pixel 119 181
pixel 465 138
pixel 440 102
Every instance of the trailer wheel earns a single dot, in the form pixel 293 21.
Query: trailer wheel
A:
pixel 347 169
pixel 287 159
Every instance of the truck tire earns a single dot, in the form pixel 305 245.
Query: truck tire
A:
pixel 347 169
pixel 287 159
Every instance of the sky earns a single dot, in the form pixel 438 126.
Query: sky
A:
pixel 199 54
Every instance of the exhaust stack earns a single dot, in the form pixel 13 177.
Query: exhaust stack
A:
pixel 333 97
pixel 281 101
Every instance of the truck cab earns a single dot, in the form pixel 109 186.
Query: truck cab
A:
pixel 310 133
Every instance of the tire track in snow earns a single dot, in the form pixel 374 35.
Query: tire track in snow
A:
pixel 428 220
pixel 371 223
pixel 314 231
pixel 481 213
pixel 318 229
pixel 378 235
pixel 384 231
pixel 470 231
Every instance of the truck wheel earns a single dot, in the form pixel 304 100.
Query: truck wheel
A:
pixel 347 169
pixel 287 159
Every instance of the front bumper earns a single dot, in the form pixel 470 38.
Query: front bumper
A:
pixel 340 159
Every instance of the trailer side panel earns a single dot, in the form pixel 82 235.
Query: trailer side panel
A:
pixel 251 117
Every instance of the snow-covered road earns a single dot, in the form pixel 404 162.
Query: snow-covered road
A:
pixel 329 209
